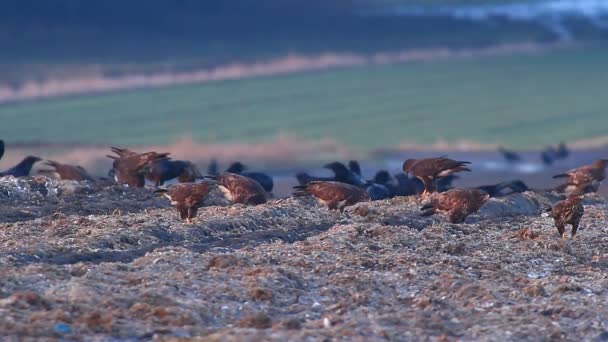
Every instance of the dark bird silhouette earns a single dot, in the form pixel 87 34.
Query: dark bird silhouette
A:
pixel 130 167
pixel 240 189
pixel 430 169
pixel 498 190
pixel 333 195
pixel 457 203
pixel 586 178
pixel 510 156
pixel 548 156
pixel 562 151
pixel 187 197
pixel 213 168
pixel 344 175
pixel 164 169
pixel 265 180
pixel 377 191
pixel 569 211
pixel 67 172
pixel 1 148
pixel 23 168
pixel 304 178
pixel 399 185
pixel 355 167
pixel 341 174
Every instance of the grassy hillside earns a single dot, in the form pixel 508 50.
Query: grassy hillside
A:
pixel 518 100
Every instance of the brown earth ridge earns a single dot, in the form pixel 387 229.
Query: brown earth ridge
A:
pixel 97 262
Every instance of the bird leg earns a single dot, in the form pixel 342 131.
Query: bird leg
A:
pixel 188 220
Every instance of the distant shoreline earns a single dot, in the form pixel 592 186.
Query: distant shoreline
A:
pixel 97 83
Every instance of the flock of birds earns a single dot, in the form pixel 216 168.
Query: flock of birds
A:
pixel 429 178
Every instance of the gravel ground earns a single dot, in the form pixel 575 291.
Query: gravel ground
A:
pixel 101 262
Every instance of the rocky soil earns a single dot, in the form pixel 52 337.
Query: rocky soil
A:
pixel 101 262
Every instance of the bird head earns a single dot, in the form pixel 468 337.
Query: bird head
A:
pixel 236 167
pixel 407 165
pixel 354 166
pixel 382 177
pixel 338 168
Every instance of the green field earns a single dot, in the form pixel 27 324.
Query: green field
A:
pixel 522 101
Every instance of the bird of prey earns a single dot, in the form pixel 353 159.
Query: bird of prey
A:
pixel 265 180
pixel 129 167
pixel 23 168
pixel 510 156
pixel 164 169
pixel 497 190
pixel 334 195
pixel 1 148
pixel 569 211
pixel 457 203
pixel 67 172
pixel 240 189
pixel 585 178
pixel 430 169
pixel 187 197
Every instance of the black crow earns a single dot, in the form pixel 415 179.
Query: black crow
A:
pixel 265 180
pixel 1 148
pixel 23 168
pixel 166 169
pixel 497 190
pixel 510 156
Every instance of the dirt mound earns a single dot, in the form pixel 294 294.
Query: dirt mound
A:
pixel 110 262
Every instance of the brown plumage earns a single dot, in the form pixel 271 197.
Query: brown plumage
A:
pixel 334 195
pixel 584 179
pixel 457 203
pixel 569 211
pixel 130 166
pixel 187 197
pixel 67 172
pixel 241 189
pixel 430 169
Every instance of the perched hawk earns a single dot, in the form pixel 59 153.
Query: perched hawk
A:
pixel 265 180
pixel 187 197
pixel 584 179
pixel 240 189
pixel 23 168
pixel 457 203
pixel 68 172
pixel 569 211
pixel 129 167
pixel 334 195
pixel 164 169
pixel 430 169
